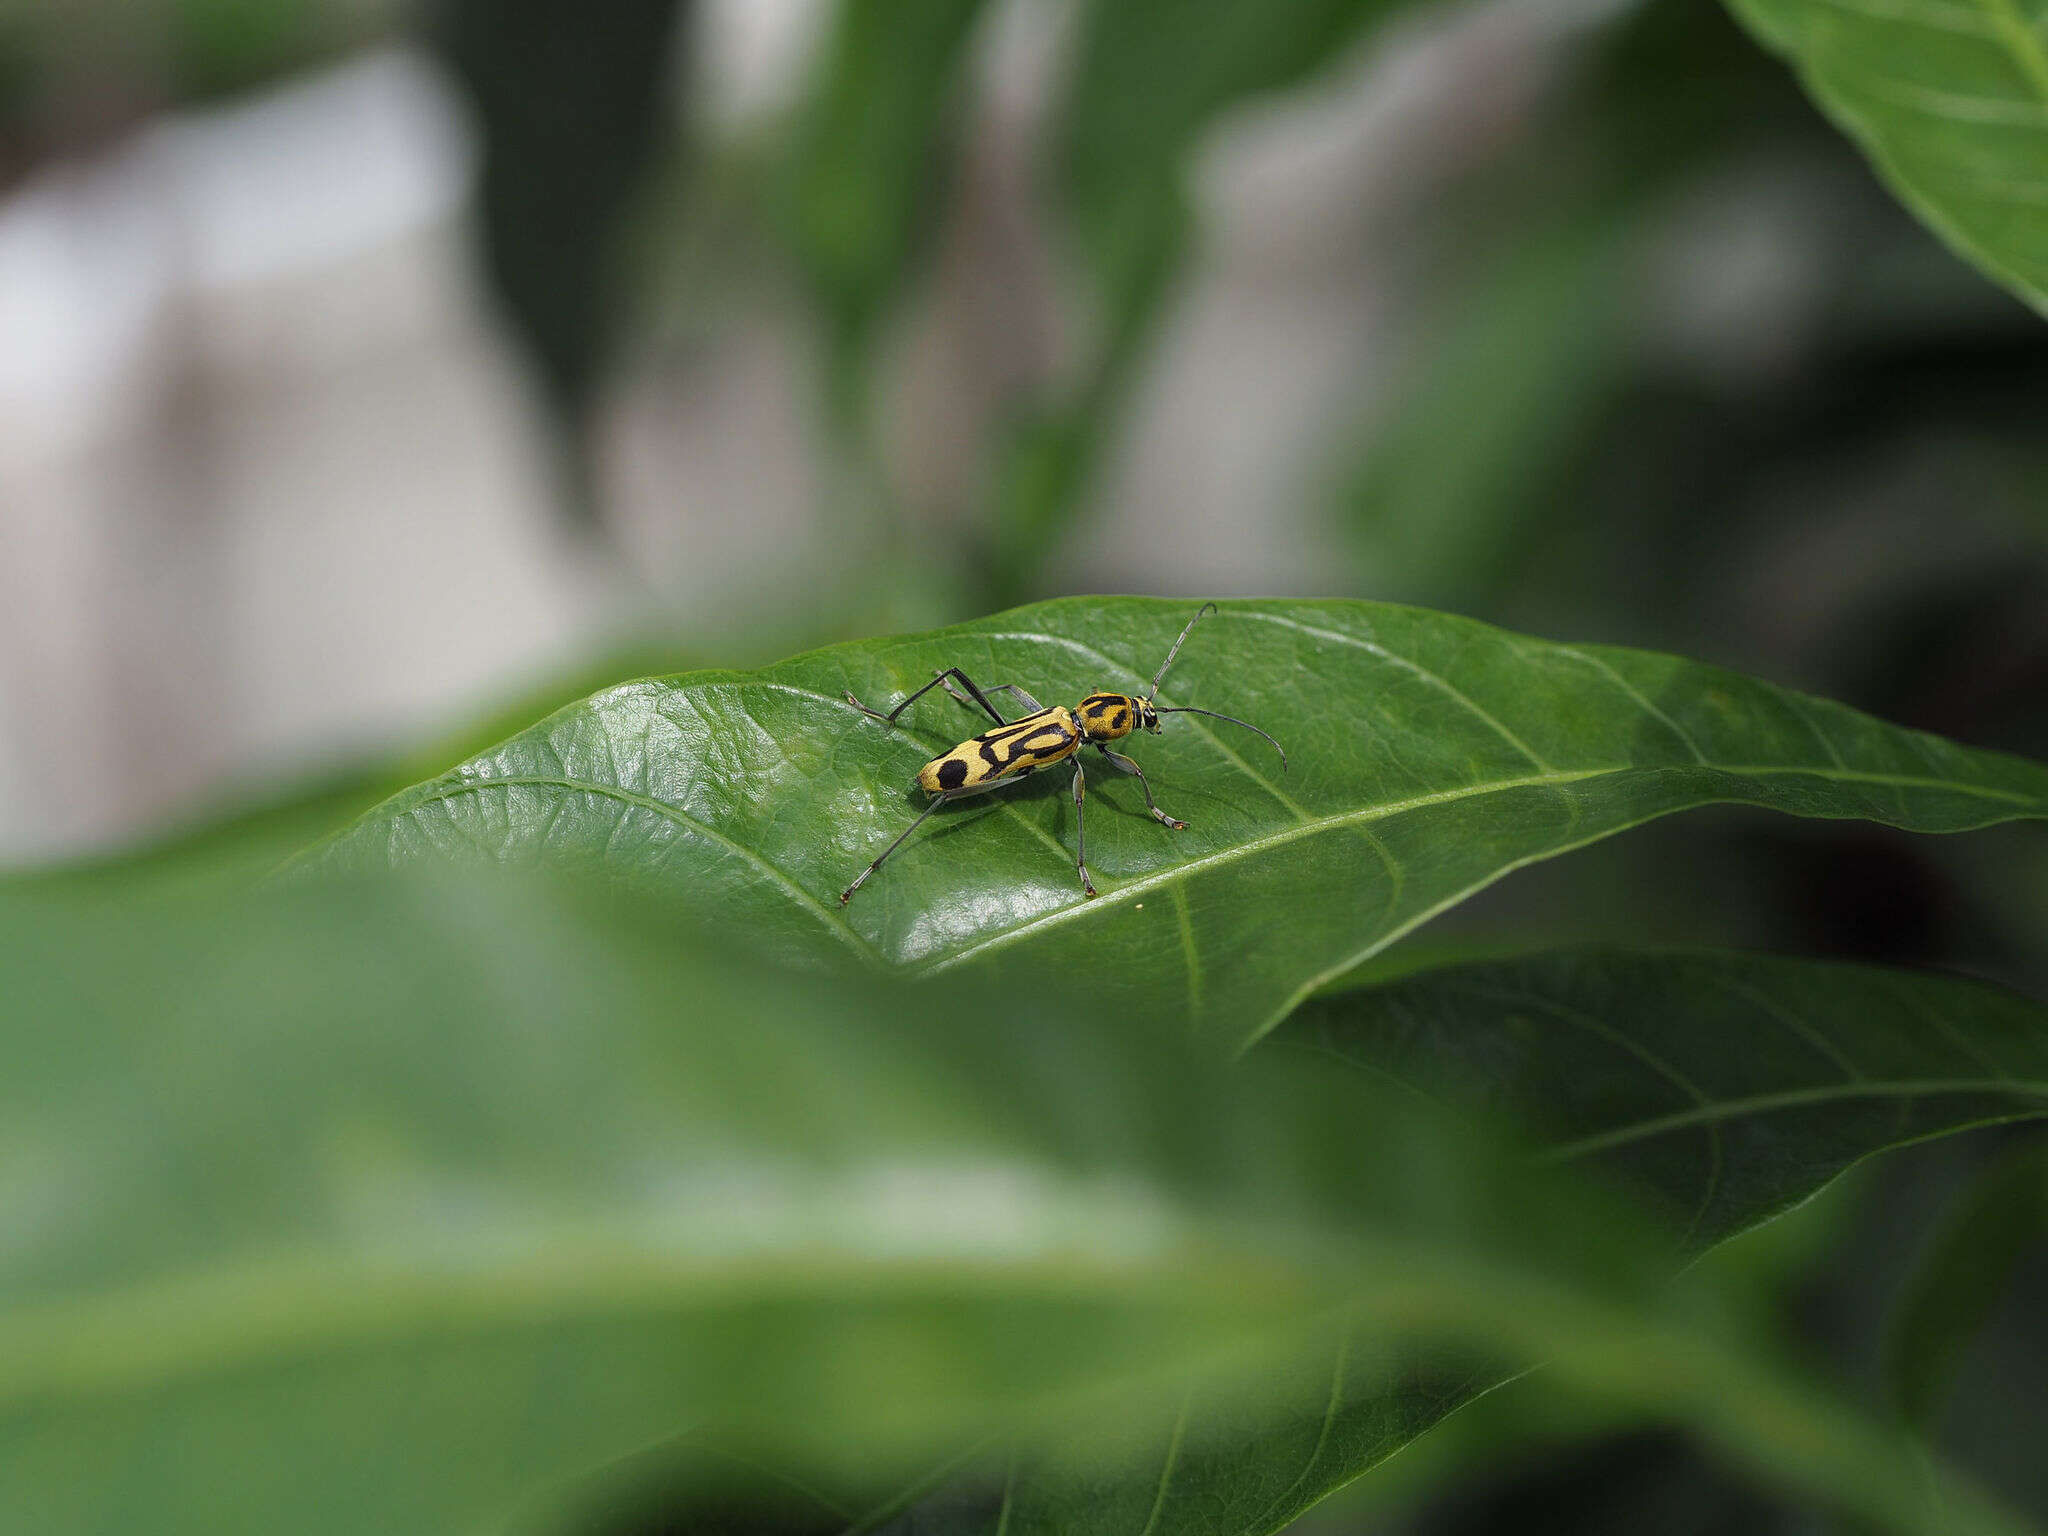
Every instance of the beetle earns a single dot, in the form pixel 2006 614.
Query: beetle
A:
pixel 1018 748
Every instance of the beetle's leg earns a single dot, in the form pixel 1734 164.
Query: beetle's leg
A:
pixel 980 695
pixel 1123 764
pixel 1080 835
pixel 847 895
pixel 1030 704
pixel 890 718
pixel 1020 695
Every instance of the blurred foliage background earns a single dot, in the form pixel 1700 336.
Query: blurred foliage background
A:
pixel 367 367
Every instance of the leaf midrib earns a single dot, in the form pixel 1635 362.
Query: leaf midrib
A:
pixel 151 1334
pixel 2020 38
pixel 1793 1098
pixel 1173 875
pixel 1363 815
pixel 144 1333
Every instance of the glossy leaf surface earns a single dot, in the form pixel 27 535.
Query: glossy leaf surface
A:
pixel 1430 756
pixel 1949 99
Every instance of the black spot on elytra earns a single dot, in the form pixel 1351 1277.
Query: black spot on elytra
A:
pixel 952 773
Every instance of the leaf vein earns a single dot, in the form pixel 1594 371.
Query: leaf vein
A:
pixel 1642 701
pixel 1180 1426
pixel 1371 813
pixel 1472 706
pixel 1793 1025
pixel 1903 996
pixel 1936 17
pixel 2024 42
pixel 1335 1400
pixel 1189 953
pixel 1957 106
pixel 1716 1152
pixel 914 1490
pixel 1797 1098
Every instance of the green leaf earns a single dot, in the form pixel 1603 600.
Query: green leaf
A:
pixel 380 1206
pixel 1151 78
pixel 1949 99
pixel 1468 467
pixel 863 167
pixel 1430 756
pixel 1728 1087
pixel 2001 1219
pixel 385 1206
pixel 1725 1087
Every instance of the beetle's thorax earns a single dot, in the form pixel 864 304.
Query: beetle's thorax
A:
pixel 1113 716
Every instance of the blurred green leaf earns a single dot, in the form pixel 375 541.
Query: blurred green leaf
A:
pixel 1727 1088
pixel 1431 755
pixel 385 1206
pixel 227 850
pixel 1043 462
pixel 1151 78
pixel 1964 1277
pixel 1469 467
pixel 380 1206
pixel 1949 99
pixel 1710 1081
pixel 220 46
pixel 866 162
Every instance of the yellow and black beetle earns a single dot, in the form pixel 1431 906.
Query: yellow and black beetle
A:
pixel 1018 748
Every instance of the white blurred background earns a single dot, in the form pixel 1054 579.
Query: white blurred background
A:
pixel 275 487
pixel 1568 313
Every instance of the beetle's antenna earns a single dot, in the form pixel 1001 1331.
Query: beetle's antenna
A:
pixel 1189 709
pixel 1206 608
